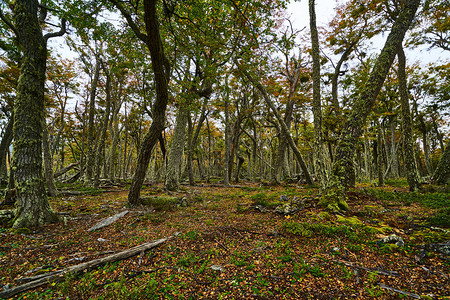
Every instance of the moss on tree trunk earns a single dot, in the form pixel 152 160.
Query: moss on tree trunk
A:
pixel 362 105
pixel 32 206
pixel 172 182
pixel 412 174
pixel 442 173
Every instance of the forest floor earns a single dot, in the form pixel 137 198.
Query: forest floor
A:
pixel 233 245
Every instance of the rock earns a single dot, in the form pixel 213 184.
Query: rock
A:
pixel 217 268
pixel 291 207
pixel 392 239
pixel 284 198
pixel 443 248
pixel 101 240
pixel 335 249
pixel 183 202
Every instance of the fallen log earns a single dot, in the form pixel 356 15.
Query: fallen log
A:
pixel 64 170
pixel 415 296
pixel 108 221
pixel 59 275
pixel 382 272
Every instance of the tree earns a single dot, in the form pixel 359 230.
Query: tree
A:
pixel 321 159
pixel 408 149
pixel 442 173
pixel 152 39
pixel 334 197
pixel 32 207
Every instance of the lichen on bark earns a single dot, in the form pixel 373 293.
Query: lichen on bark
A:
pixel 32 206
pixel 334 196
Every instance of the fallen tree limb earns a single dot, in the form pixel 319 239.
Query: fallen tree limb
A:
pixel 415 296
pixel 108 221
pixel 58 275
pixel 64 170
pixel 387 273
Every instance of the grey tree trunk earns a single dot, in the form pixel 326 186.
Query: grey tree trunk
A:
pixel 226 178
pixel 408 145
pixel 4 146
pixel 380 155
pixel 172 182
pixel 442 173
pixel 32 205
pixel 48 163
pixel 334 198
pixel 90 159
pixel 321 159
pixel 100 153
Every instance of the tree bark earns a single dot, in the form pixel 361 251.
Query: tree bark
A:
pixel 32 204
pixel 442 173
pixel 99 153
pixel 320 151
pixel 412 175
pixel 90 159
pixel 154 44
pixel 380 155
pixel 48 163
pixel 334 198
pixel 4 146
pixel 172 182
pixel 226 176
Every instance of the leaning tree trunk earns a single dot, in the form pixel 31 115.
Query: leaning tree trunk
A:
pixel 334 198
pixel 172 182
pixel 408 145
pixel 32 204
pixel 155 46
pixel 320 151
pixel 280 120
pixel 442 173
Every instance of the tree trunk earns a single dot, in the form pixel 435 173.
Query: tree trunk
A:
pixel 48 163
pixel 284 128
pixel 442 173
pixel 380 155
pixel 155 46
pixel 88 175
pixel 4 146
pixel 32 204
pixel 320 151
pixel 226 175
pixel 335 78
pixel 394 156
pixel 408 145
pixel 334 198
pixel 100 153
pixel 192 141
pixel 172 182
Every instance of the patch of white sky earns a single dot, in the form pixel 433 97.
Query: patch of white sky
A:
pixel 325 11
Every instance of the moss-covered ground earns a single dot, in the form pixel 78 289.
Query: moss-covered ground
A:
pixel 232 245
